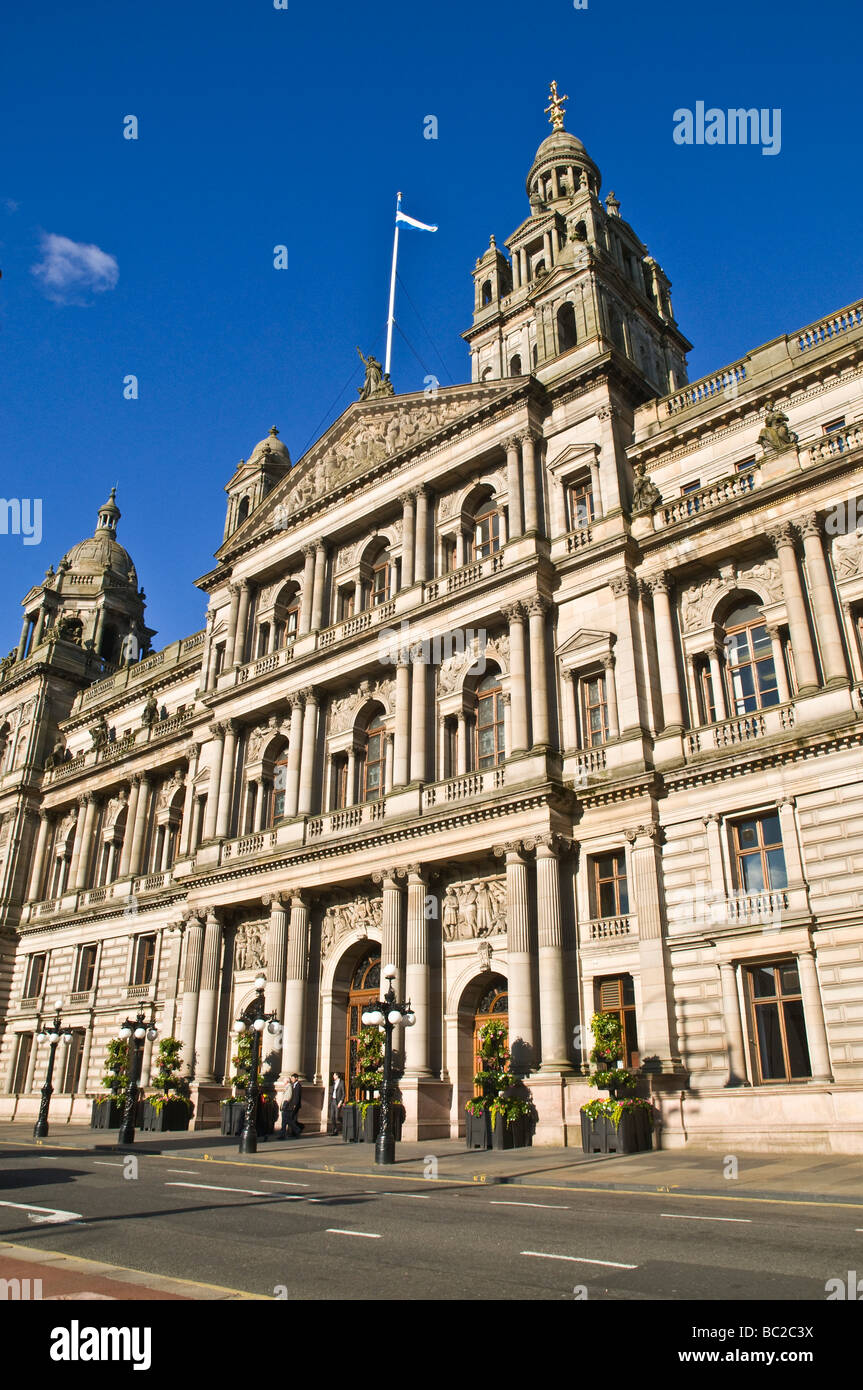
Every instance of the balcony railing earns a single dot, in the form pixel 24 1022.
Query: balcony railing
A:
pixel 346 818
pixel 464 576
pixel 836 442
pixel 249 844
pixel 461 788
pixel 262 665
pixel 717 494
pixel 139 991
pixel 608 928
pixel 756 907
pixel 822 332
pixel 578 539
pixel 745 728
pixel 724 383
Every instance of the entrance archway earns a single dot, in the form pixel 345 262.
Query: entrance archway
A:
pixel 493 1007
pixel 365 986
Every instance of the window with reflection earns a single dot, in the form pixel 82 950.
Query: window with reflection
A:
pixel 374 759
pixel 280 782
pixel 749 659
pixel 594 711
pixel 611 892
pixel 486 533
pixel 616 995
pixel 490 751
pixel 758 853
pixel 579 501
pixel 778 1022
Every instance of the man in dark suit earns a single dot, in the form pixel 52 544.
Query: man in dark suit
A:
pixel 337 1102
pixel 291 1103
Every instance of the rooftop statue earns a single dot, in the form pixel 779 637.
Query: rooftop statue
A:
pixel 775 434
pixel 645 494
pixel 377 382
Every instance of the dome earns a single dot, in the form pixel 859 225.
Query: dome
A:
pixel 273 446
pixel 560 149
pixel 102 551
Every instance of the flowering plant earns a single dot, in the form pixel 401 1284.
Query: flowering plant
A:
pixel 495 1077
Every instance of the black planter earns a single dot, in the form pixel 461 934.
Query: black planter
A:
pixel 477 1130
pixel 173 1115
pixel 107 1114
pixel 351 1124
pixel 370 1127
pixel 234 1115
pixel 515 1135
pixel 632 1135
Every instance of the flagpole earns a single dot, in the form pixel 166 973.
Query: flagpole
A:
pixel 392 290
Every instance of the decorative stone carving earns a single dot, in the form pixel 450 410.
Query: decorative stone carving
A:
pixel 473 909
pixel 347 556
pixel 344 709
pixel 698 600
pixel 645 494
pixel 249 946
pixel 361 914
pixel 116 806
pixel 484 954
pixel 775 434
pixel 169 790
pixel 848 554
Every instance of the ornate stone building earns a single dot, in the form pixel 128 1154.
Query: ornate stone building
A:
pixel 546 687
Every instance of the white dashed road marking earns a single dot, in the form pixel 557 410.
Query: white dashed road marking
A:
pixel 577 1259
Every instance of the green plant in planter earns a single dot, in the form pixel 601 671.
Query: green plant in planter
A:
pixel 495 1077
pixel 171 1085
pixel 370 1071
pixel 609 1075
pixel 242 1064
pixel 116 1076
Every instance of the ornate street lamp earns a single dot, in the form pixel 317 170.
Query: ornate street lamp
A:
pixel 388 1014
pixel 135 1032
pixel 253 1021
pixel 54 1033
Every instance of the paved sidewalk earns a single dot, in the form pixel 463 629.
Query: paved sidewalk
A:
pixel 46 1275
pixel 802 1177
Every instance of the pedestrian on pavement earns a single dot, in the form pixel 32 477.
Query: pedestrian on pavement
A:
pixel 285 1107
pixel 337 1102
pixel 293 1099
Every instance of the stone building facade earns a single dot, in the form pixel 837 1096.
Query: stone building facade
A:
pixel 545 687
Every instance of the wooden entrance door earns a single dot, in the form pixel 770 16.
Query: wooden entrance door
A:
pixel 493 1007
pixel 365 987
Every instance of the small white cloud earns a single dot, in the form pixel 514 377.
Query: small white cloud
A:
pixel 70 271
pixel 10 205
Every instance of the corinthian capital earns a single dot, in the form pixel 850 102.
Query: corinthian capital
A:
pixel 514 613
pixel 621 584
pixel 811 525
pixel 783 534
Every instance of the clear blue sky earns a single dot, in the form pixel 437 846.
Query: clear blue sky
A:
pixel 259 127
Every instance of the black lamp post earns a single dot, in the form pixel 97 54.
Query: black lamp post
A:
pixel 388 1014
pixel 253 1021
pixel 135 1031
pixel 53 1033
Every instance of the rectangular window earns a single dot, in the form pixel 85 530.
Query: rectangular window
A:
pixel 610 887
pixel 346 604
pixel 758 853
pixel 744 465
pixel 35 976
pixel 22 1062
pixel 690 487
pixel 86 968
pixel 707 698
pixel 143 961
pixel 837 424
pixel 594 711
pixel 292 618
pixel 580 504
pixel 617 996
pixel 71 1076
pixel 776 1010
pixel 489 729
pixel 340 783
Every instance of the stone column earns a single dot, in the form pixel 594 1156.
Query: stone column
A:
pixel 813 1013
pixel 513 487
pixel 41 618
pixel 408 539
pixel 277 946
pixel 596 489
pixel 39 856
pixel 672 705
pixel 515 616
pixel 422 546
pixel 86 841
pixel 826 621
pixel 83 805
pixel 305 621
pixel 693 687
pixel 853 640
pixel 713 835
pixel 392 951
pixel 790 840
pixel 310 748
pixel 238 655
pixel 296 986
pixel 217 759
pixel 85 1056
pixel 528 473
pixel 733 1026
pixel 209 669
pixel 419 704
pixel 417 975
pixel 402 740
pixel 795 604
pixel 358 595
pixel 519 958
pixel 185 843
pixel 459 548
pixel 629 696
pixel 506 700
pixel 608 664
pixel 191 990
pixel 552 996
pixel 22 647
pixel 208 1002
pixel 319 586
pixel 389 746
pixel 461 744
pixel 537 609
pixel 655 1025
pixel 719 701
pixel 351 777
pixel 226 779
pixel 139 827
pixel 231 634
pixel 779 665
pixel 295 745
pixel 31 1068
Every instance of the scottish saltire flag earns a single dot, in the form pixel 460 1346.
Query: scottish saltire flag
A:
pixel 402 220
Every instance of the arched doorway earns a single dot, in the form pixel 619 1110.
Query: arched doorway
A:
pixel 365 986
pixel 492 1007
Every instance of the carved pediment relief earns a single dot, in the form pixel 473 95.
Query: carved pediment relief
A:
pixel 698 601
pixel 345 708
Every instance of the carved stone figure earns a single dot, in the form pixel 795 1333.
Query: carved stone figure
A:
pixel 151 711
pixel 377 382
pixel 474 909
pixel 645 494
pixel 249 947
pixel 170 789
pixel 775 434
pixel 59 754
pixel 99 733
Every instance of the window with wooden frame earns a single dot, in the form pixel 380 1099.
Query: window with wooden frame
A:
pixel 339 793
pixel 346 605
pixel 744 465
pixel 611 892
pixel 280 782
pixel 489 737
pixel 85 971
pixel 381 579
pixel 486 533
pixel 35 979
pixel 778 1023
pixel 448 554
pixel 22 1062
pixel 749 659
pixel 579 503
pixel 708 701
pixel 833 425
pixel 593 706
pixel 759 859
pixel 616 995
pixel 374 760
pixel 71 1075
pixel 143 960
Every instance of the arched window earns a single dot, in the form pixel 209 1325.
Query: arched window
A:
pixel 749 657
pixel 486 537
pixel 280 782
pixel 580 231
pixel 515 365
pixel 381 578
pixel 535 355
pixel 242 511
pixel 485 293
pixel 566 331
pixel 490 750
pixel 374 758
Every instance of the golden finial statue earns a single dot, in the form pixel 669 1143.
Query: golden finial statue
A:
pixel 556 108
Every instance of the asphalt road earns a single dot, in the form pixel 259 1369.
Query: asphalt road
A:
pixel 280 1232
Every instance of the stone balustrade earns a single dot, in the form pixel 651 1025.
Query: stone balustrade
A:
pixel 743 728
pixel 716 494
pixel 609 929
